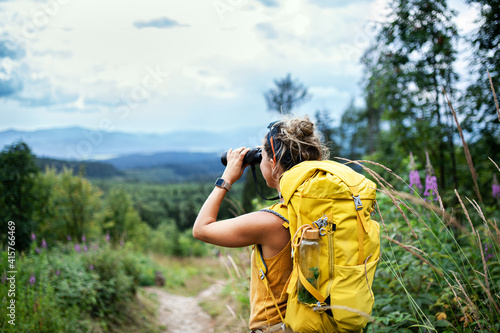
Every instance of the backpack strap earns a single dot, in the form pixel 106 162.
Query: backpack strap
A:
pixel 261 265
pixel 313 291
pixel 285 224
pixel 363 226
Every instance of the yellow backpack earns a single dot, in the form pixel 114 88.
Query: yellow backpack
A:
pixel 337 201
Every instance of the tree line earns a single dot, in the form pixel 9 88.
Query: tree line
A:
pixel 411 90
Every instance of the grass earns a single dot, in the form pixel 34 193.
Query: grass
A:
pixel 231 310
pixel 434 275
pixel 188 276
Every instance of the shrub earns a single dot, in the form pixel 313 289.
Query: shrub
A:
pixel 74 287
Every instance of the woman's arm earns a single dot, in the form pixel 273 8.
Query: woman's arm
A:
pixel 244 230
pixel 210 209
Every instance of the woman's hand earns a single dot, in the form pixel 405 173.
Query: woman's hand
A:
pixel 235 168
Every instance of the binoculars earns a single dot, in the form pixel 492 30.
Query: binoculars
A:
pixel 254 156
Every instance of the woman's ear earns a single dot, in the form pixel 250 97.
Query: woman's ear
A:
pixel 273 164
pixel 275 169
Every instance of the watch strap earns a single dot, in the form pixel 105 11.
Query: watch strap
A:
pixel 223 184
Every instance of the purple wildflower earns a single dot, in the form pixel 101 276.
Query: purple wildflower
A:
pixel 33 237
pixel 44 243
pixel 85 248
pixel 68 238
pixel 430 180
pixel 414 176
pixel 107 237
pixel 91 267
pixel 4 278
pixel 58 272
pixel 77 248
pixel 496 191
pixel 430 186
pixel 37 250
pixel 415 180
pixel 32 280
pixel 84 239
pixel 495 187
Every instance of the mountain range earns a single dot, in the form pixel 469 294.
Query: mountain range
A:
pixel 77 143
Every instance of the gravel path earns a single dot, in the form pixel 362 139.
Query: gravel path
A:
pixel 182 314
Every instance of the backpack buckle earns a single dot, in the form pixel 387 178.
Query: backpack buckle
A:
pixel 319 307
pixel 262 274
pixel 357 202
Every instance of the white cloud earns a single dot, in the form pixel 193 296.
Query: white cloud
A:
pixel 87 57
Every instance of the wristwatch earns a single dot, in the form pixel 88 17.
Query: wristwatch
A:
pixel 223 184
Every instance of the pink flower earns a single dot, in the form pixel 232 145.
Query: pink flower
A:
pixel 44 243
pixel 77 248
pixel 32 280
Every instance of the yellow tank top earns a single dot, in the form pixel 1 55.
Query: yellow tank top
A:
pixel 263 312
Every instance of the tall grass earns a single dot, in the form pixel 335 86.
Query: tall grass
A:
pixel 440 267
pixel 436 275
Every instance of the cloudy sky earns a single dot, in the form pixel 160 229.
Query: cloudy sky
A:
pixel 163 65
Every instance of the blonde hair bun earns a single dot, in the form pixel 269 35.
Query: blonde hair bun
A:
pixel 299 128
pixel 297 141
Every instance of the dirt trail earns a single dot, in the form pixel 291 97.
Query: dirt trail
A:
pixel 181 314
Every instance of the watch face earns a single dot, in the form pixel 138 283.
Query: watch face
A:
pixel 219 182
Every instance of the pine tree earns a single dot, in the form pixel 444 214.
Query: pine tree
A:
pixel 407 68
pixel 483 122
pixel 287 95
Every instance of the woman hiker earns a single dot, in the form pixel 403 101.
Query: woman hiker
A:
pixel 287 143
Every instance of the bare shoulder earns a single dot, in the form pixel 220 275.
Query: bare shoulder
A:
pixel 274 236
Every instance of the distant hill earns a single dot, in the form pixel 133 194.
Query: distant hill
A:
pixel 163 167
pixel 169 157
pixel 78 143
pixel 88 169
pixel 135 161
pixel 169 166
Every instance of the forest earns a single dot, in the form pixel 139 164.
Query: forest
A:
pixel 429 138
